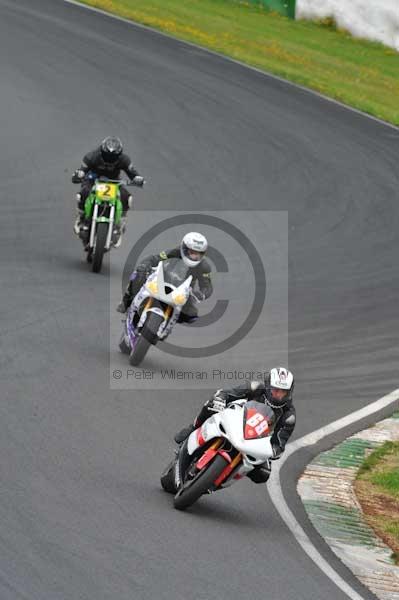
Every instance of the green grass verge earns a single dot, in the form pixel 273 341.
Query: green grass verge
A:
pixel 377 488
pixel 388 481
pixel 371 462
pixel 362 74
pixel 383 469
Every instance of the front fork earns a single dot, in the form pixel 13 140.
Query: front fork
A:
pixel 94 223
pixel 110 227
pixel 131 330
pixel 232 463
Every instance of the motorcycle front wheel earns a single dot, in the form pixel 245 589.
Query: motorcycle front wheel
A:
pixel 148 337
pixel 195 488
pixel 101 239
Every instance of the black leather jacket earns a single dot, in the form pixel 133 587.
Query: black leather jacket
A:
pixel 93 161
pixel 256 390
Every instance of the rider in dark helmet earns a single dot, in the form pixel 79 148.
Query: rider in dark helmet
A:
pixel 111 150
pixel 108 160
pixel 276 391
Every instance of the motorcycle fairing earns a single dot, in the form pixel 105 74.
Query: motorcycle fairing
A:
pixel 100 197
pixel 229 424
pixel 154 287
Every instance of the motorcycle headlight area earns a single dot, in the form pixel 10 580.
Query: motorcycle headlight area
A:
pixel 152 285
pixel 179 297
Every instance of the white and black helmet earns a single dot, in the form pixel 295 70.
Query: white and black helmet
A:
pixel 279 387
pixel 193 248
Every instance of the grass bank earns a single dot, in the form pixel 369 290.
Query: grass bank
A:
pixel 362 74
pixel 377 488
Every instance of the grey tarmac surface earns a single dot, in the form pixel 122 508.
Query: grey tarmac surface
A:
pixel 82 515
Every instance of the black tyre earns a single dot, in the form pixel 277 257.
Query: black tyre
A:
pixel 194 489
pixel 101 238
pixel 168 480
pixel 148 337
pixel 140 350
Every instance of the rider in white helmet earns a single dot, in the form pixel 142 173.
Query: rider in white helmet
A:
pixel 276 391
pixel 192 251
pixel 193 248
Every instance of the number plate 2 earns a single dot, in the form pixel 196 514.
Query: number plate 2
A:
pixel 107 191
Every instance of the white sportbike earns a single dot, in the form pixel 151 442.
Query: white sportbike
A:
pixel 223 450
pixel 155 309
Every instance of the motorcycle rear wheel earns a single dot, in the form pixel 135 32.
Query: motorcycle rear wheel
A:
pixel 194 489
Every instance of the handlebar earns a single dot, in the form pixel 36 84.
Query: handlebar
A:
pixel 126 182
pixel 121 181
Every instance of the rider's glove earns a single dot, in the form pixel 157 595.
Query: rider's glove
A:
pixel 138 180
pixel 78 176
pixel 217 403
pixel 277 452
pixel 144 271
pixel 143 268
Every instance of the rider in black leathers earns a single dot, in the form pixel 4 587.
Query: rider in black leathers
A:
pixel 108 160
pixel 199 268
pixel 269 392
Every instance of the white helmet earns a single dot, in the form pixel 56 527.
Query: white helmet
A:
pixel 192 248
pixel 279 387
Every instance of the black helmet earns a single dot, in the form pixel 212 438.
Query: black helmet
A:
pixel 279 385
pixel 111 149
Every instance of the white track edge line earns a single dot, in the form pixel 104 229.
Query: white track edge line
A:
pixel 277 497
pixel 233 60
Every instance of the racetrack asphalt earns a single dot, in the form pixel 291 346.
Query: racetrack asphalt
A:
pixel 82 513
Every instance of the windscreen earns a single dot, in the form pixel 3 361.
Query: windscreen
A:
pixel 175 271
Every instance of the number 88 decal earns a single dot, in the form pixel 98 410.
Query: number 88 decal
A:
pixel 258 422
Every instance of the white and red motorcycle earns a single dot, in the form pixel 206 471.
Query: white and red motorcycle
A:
pixel 224 449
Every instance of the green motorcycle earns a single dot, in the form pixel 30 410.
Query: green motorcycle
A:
pixel 103 220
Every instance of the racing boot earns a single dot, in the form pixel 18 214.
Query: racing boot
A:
pixel 183 434
pixel 121 308
pixel 78 221
pixel 261 473
pixel 118 231
pixel 84 232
